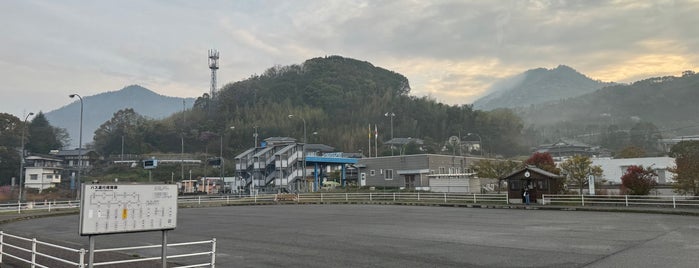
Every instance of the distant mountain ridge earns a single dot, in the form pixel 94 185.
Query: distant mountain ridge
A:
pixel 537 86
pixel 99 108
pixel 668 102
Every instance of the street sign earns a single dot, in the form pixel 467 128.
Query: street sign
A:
pixel 119 208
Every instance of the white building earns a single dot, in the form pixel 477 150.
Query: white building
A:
pixel 613 169
pixel 42 172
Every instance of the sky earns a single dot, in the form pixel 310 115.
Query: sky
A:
pixel 452 51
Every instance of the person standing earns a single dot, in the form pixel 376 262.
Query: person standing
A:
pixel 526 196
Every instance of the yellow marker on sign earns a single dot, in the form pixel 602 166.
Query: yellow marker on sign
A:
pixel 124 214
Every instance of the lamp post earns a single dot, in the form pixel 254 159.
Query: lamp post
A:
pixel 122 147
pixel 254 135
pixel 304 127
pixel 80 140
pixel 223 133
pixel 304 147
pixel 391 115
pixel 21 159
pixel 480 141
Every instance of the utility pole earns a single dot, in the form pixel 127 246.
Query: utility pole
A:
pixel 21 160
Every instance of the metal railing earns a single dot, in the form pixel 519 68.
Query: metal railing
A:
pixel 395 197
pixel 46 205
pixel 622 200
pixel 26 250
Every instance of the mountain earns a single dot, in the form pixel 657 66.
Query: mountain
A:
pixel 99 108
pixel 538 86
pixel 668 102
pixel 332 100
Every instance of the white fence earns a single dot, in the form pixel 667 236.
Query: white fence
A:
pixel 622 200
pixel 42 254
pixel 46 205
pixel 397 197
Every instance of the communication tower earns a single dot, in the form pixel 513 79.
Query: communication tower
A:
pixel 213 65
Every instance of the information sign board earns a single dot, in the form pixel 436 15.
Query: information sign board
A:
pixel 122 208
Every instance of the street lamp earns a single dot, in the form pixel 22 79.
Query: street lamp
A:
pixel 304 147
pixel 254 135
pixel 480 142
pixel 21 160
pixel 392 115
pixel 304 127
pixel 80 143
pixel 223 133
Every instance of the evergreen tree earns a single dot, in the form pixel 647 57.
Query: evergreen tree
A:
pixel 42 136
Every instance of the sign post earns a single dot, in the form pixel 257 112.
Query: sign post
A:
pixel 119 208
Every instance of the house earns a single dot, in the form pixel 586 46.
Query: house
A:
pixel 666 144
pixel 71 158
pixel 613 169
pixel 535 180
pixel 563 149
pixel 399 144
pixel 444 173
pixel 42 172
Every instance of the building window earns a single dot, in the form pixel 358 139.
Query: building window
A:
pixel 442 170
pixel 372 172
pixel 388 174
pixel 33 177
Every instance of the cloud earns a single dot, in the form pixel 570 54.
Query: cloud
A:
pixel 452 50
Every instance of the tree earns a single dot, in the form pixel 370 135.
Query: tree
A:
pixel 10 130
pixel 126 124
pixel 9 165
pixel 495 169
pixel 686 154
pixel 578 168
pixel 543 161
pixel 645 135
pixel 638 181
pixel 44 137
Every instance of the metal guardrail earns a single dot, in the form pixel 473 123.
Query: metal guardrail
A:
pixel 622 200
pixel 39 206
pixel 28 248
pixel 397 197
pixel 26 251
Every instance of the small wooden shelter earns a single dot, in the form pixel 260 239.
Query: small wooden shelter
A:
pixel 537 181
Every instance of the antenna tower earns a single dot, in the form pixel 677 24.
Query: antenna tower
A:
pixel 213 65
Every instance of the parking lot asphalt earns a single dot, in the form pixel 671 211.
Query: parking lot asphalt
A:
pixel 410 236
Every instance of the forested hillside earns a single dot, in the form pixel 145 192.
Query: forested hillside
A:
pixel 339 98
pixel 666 104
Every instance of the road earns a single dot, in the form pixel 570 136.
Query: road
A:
pixel 411 236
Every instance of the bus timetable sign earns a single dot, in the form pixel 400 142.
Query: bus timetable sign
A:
pixel 118 208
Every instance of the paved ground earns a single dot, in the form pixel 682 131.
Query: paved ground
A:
pixel 410 236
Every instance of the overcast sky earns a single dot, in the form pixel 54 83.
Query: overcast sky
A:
pixel 450 50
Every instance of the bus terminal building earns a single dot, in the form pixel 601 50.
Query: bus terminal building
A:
pixel 421 172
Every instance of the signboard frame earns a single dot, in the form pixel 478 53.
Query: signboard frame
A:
pixel 127 208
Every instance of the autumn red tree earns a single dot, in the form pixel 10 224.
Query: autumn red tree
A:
pixel 638 180
pixel 543 161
